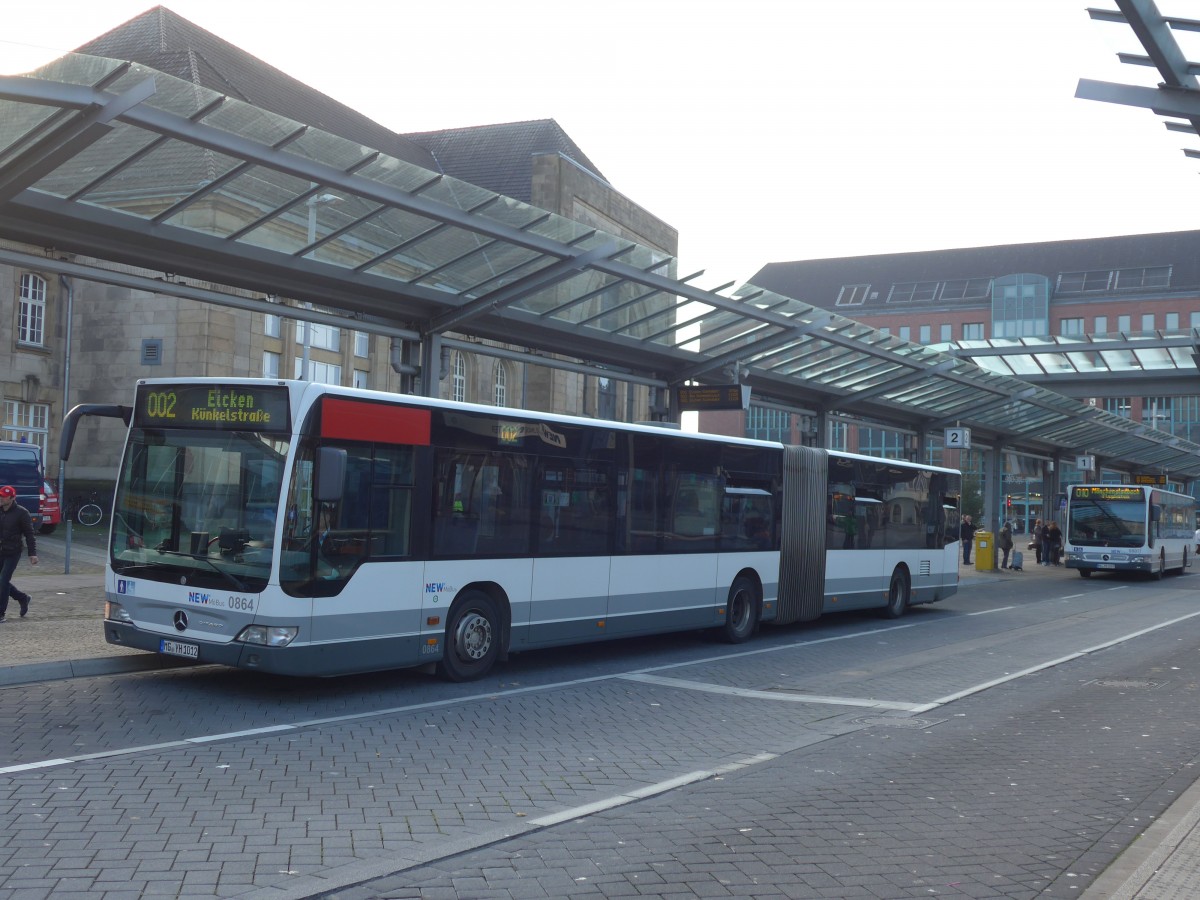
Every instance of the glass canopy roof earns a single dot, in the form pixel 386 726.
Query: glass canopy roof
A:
pixel 125 164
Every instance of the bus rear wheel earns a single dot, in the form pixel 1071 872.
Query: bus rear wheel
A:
pixel 741 611
pixel 472 638
pixel 899 594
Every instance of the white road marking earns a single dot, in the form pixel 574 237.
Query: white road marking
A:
pixel 786 696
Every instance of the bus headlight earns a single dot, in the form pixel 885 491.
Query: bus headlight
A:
pixel 115 612
pixel 268 635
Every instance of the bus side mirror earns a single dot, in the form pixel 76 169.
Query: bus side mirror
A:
pixel 331 474
pixel 1155 513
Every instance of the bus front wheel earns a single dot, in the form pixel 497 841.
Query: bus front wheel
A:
pixel 472 638
pixel 741 611
pixel 899 594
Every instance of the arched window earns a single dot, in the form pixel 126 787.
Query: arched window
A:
pixel 500 394
pixel 458 386
pixel 31 322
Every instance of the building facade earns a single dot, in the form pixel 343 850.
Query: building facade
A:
pixel 1106 291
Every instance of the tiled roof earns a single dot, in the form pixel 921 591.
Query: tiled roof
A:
pixel 818 281
pixel 499 157
pixel 163 40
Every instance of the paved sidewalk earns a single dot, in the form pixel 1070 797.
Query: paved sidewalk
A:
pixel 62 637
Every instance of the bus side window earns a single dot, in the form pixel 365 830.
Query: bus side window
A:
pixel 391 501
pixel 695 513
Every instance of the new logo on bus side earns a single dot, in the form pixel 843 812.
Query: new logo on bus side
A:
pixel 437 588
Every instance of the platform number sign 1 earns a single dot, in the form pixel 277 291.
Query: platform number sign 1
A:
pixel 958 438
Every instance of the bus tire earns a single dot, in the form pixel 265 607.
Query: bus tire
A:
pixel 1160 568
pixel 742 611
pixel 1183 567
pixel 472 637
pixel 899 594
pixel 1085 573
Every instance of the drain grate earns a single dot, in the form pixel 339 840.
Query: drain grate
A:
pixel 1127 683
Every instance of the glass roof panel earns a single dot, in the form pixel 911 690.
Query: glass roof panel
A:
pixel 457 194
pixel 492 265
pixel 604 291
pixel 251 123
pixel 1155 358
pixel 1120 360
pixel 395 173
pixel 101 157
pixel 323 147
pixel 76 68
pixel 172 95
pixel 19 121
pixel 259 192
pixel 1089 361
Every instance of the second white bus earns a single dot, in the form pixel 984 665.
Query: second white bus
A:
pixel 1128 528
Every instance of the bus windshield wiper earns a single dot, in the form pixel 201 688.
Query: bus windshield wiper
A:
pixel 228 575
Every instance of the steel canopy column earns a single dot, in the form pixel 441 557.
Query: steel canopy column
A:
pixel 993 467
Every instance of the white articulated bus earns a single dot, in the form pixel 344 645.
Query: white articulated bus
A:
pixel 1128 528
pixel 308 529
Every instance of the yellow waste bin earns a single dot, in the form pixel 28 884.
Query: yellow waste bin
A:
pixel 985 551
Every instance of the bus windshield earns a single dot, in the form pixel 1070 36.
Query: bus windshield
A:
pixel 200 505
pixel 1096 522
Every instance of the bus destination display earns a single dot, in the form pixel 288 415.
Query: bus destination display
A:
pixel 224 407
pixel 1109 492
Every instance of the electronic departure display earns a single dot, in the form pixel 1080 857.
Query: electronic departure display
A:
pixel 222 407
pixel 1108 492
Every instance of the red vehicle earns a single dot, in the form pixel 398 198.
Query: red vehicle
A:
pixel 51 511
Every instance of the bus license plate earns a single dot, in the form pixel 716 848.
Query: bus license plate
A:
pixel 1107 566
pixel 178 648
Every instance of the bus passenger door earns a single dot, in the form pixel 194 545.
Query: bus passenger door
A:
pixel 669 582
pixel 569 598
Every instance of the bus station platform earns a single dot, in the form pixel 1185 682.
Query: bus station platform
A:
pixel 61 638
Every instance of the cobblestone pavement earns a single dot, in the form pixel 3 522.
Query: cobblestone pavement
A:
pixel 615 787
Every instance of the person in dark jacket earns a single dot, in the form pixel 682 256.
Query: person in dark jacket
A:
pixel 15 525
pixel 967 533
pixel 1054 543
pixel 1005 543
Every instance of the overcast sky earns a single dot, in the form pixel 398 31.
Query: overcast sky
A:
pixel 764 130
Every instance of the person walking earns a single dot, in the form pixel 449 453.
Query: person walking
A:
pixel 1038 535
pixel 15 524
pixel 1005 543
pixel 1053 542
pixel 966 533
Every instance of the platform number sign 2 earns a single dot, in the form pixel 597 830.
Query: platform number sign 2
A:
pixel 958 438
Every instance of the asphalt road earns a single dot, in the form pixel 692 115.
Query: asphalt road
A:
pixel 1007 743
